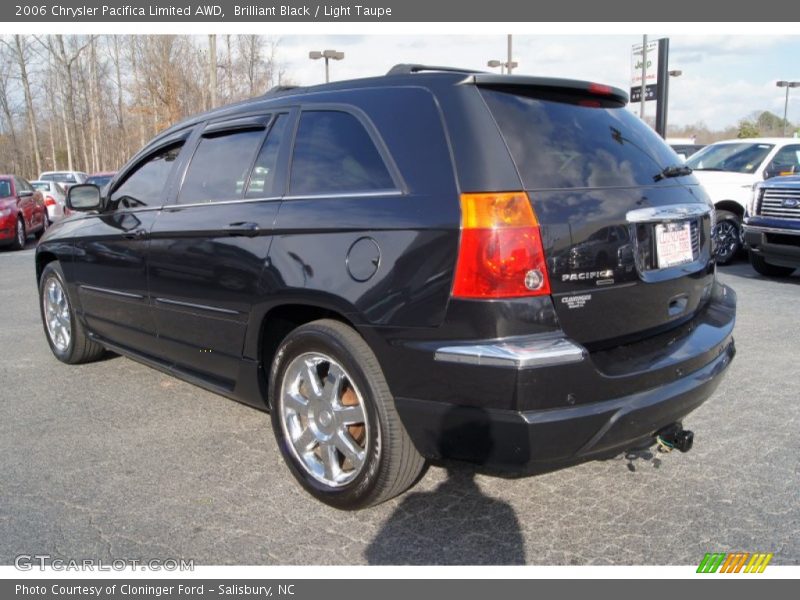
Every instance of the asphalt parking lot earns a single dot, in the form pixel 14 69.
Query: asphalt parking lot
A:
pixel 115 460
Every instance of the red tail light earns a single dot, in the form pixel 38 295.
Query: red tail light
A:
pixel 501 253
pixel 49 201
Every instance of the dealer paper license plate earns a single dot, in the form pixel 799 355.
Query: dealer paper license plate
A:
pixel 674 244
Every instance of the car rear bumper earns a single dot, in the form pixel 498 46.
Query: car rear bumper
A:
pixel 575 409
pixel 779 246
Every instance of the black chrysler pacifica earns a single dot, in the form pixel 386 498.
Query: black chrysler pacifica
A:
pixel 438 263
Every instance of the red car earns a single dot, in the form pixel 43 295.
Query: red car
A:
pixel 22 211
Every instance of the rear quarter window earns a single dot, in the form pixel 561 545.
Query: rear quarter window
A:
pixel 333 153
pixel 560 140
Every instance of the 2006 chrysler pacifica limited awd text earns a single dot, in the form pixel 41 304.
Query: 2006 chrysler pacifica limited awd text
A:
pixel 513 271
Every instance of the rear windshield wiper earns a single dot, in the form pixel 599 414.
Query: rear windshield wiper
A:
pixel 673 171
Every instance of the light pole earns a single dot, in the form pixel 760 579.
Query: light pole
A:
pixel 496 63
pixel 508 66
pixel 787 85
pixel 673 73
pixel 327 55
pixel 643 90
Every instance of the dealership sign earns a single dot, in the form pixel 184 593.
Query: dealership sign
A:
pixel 651 78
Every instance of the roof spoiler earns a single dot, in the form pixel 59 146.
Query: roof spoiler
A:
pixel 585 87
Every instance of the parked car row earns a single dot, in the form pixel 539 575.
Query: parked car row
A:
pixel 28 208
pixel 22 211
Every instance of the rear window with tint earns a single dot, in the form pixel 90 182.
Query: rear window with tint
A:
pixel 563 141
pixel 333 153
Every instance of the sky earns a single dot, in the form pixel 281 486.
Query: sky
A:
pixel 725 77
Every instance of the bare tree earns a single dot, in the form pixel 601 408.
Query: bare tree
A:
pixel 21 47
pixel 10 151
pixel 88 102
pixel 212 69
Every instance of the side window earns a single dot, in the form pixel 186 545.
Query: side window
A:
pixel 5 188
pixel 786 162
pixel 333 153
pixel 145 186
pixel 263 177
pixel 219 167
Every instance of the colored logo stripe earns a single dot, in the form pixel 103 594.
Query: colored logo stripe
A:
pixel 711 563
pixel 758 563
pixel 734 562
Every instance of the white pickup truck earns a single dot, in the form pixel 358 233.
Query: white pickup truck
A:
pixel 728 171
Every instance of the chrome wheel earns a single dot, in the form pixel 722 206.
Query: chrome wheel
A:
pixel 21 237
pixel 323 417
pixel 727 238
pixel 56 314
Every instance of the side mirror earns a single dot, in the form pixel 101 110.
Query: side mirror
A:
pixel 84 197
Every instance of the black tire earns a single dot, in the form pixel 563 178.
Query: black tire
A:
pixel 20 235
pixel 392 463
pixel 766 269
pixel 80 348
pixel 727 236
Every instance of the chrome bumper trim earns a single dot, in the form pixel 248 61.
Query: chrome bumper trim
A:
pixel 764 229
pixel 520 353
pixel 669 212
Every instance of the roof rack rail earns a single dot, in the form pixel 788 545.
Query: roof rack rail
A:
pixel 405 69
pixel 277 89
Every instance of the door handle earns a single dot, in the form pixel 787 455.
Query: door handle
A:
pixel 243 228
pixel 136 234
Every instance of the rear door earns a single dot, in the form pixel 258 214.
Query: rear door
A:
pixel 627 241
pixel 210 244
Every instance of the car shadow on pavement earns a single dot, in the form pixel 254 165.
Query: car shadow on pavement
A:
pixel 462 524
pixel 744 270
